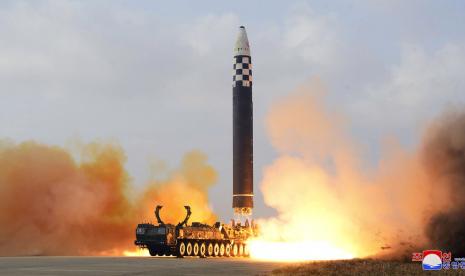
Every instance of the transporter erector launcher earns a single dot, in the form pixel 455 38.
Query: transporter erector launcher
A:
pixel 242 126
pixel 218 240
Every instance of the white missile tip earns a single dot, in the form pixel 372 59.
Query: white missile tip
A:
pixel 242 46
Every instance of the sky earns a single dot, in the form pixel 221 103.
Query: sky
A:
pixel 155 76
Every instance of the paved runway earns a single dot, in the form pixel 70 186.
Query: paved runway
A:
pixel 132 266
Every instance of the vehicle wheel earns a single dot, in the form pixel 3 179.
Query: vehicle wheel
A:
pixel 216 249
pixel 203 249
pixel 189 249
pixel 241 250
pixel 210 249
pixel 221 249
pixel 246 250
pixel 235 250
pixel 227 250
pixel 195 250
pixel 152 251
pixel 181 249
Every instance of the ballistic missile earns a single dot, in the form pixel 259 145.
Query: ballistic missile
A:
pixel 242 126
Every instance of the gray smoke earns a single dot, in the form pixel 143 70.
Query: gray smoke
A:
pixel 443 155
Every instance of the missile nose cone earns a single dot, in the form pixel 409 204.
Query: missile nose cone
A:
pixel 242 48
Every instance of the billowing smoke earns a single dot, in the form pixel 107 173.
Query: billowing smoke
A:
pixel 444 155
pixel 331 204
pixel 51 204
pixel 188 185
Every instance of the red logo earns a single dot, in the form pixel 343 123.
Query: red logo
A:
pixel 417 257
pixel 446 257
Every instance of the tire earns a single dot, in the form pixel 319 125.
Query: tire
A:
pixel 189 249
pixel 195 249
pixel 235 250
pixel 181 250
pixel 216 249
pixel 203 250
pixel 210 249
pixel 246 250
pixel 227 250
pixel 241 250
pixel 152 251
pixel 222 249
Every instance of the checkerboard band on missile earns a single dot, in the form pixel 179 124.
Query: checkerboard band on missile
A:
pixel 242 71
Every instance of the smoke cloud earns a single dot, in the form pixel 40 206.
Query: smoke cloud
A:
pixel 444 155
pixel 188 185
pixel 325 194
pixel 51 204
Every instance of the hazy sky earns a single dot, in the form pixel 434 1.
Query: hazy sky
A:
pixel 155 76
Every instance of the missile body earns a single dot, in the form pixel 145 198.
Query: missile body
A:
pixel 242 126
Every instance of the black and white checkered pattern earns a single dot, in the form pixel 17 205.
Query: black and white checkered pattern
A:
pixel 242 71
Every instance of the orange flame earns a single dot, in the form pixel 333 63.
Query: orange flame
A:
pixel 142 252
pixel 328 208
pixel 296 251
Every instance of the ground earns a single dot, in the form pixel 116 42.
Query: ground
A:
pixel 360 267
pixel 194 266
pixel 109 266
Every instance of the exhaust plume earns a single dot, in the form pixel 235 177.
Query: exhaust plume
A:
pixel 50 204
pixel 331 206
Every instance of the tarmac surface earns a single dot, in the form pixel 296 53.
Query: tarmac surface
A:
pixel 132 266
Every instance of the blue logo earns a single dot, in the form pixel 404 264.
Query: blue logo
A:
pixel 432 260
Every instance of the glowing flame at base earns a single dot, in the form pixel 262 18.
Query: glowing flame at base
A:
pixel 137 253
pixel 296 251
